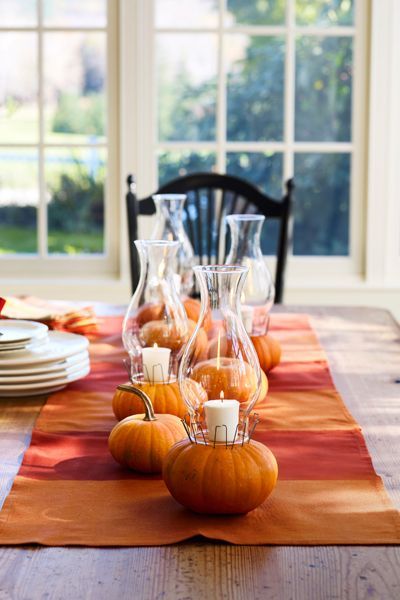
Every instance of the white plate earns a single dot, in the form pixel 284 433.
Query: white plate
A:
pixel 43 387
pixel 21 346
pixel 17 331
pixel 46 367
pixel 45 376
pixel 59 346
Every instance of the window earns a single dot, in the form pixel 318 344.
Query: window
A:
pixel 56 131
pixel 265 90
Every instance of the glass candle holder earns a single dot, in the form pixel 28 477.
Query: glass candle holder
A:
pixel 169 226
pixel 155 327
pixel 229 371
pixel 258 291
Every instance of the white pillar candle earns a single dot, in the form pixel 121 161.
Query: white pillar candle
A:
pixel 247 313
pixel 218 414
pixel 156 364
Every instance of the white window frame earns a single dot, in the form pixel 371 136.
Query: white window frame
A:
pixel 383 225
pixel 144 161
pixel 20 270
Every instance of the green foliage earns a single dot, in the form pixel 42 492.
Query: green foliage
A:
pixel 255 92
pixel 77 203
pixel 14 238
pixel 323 89
pixel 80 114
pixel 178 164
pixel 258 12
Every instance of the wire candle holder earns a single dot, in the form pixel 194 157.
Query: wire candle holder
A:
pixel 198 433
pixel 138 373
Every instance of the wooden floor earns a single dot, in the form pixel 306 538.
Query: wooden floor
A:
pixel 364 351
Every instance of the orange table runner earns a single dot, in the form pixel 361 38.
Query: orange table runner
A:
pixel 69 490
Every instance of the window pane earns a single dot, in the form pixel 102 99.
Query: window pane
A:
pixel 75 13
pixel 321 225
pixel 190 13
pixel 323 89
pixel 263 169
pixel 75 196
pixel 324 12
pixel 18 13
pixel 262 12
pixel 172 164
pixel 75 96
pixel 187 86
pixel 19 196
pixel 18 88
pixel 255 83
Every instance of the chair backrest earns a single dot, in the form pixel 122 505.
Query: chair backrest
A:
pixel 210 197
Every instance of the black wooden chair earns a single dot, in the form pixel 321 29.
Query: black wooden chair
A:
pixel 210 197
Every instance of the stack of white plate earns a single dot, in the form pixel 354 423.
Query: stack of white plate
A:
pixel 34 360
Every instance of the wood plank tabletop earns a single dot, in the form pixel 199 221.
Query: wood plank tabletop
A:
pixel 363 347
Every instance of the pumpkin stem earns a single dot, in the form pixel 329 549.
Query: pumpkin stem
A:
pixel 148 407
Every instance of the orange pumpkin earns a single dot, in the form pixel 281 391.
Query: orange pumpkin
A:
pixel 164 334
pixel 220 480
pixel 235 378
pixel 166 398
pixel 149 312
pixel 200 351
pixel 268 351
pixel 193 308
pixel 264 387
pixel 141 442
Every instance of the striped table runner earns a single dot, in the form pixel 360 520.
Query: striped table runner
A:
pixel 69 490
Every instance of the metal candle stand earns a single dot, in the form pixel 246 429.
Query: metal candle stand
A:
pixel 243 432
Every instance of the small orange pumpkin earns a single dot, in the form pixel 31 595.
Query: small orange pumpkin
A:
pixel 235 378
pixel 200 351
pixel 164 334
pixel 149 312
pixel 141 442
pixel 193 308
pixel 166 398
pixel 268 351
pixel 220 480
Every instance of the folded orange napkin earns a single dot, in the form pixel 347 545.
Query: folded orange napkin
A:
pixel 56 315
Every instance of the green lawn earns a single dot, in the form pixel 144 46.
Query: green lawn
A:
pixel 23 240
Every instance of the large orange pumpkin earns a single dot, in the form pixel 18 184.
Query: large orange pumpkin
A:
pixel 220 480
pixel 235 378
pixel 141 442
pixel 268 351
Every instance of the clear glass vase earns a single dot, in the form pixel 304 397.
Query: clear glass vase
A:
pixel 221 359
pixel 169 226
pixel 259 290
pixel 155 327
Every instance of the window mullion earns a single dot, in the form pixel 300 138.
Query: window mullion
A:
pixel 289 116
pixel 42 209
pixel 221 96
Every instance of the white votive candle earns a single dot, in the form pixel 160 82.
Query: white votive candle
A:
pixel 156 364
pixel 220 413
pixel 247 313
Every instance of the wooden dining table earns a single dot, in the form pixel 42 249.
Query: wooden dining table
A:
pixel 363 348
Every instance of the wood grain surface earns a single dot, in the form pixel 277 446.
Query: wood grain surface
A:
pixel 363 347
